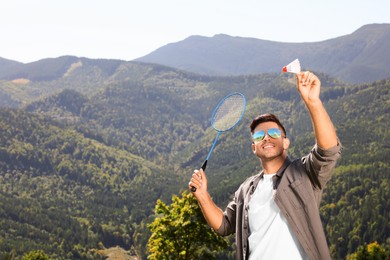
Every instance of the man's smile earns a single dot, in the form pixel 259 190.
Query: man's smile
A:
pixel 268 145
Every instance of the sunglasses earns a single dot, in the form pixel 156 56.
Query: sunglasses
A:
pixel 272 132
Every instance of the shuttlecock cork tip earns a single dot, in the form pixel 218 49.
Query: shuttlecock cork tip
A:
pixel 293 67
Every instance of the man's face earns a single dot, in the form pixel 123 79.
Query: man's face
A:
pixel 269 148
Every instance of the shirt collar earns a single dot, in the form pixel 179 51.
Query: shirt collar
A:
pixel 276 178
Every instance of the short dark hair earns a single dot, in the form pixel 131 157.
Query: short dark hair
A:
pixel 266 118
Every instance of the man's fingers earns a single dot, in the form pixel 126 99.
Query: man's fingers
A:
pixel 196 179
pixel 202 174
pixel 306 78
pixel 197 174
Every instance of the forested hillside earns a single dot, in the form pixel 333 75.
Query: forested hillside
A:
pixel 85 155
pixel 57 185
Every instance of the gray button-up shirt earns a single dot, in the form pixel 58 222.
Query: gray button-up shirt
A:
pixel 299 185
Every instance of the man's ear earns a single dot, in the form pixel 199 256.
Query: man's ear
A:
pixel 253 147
pixel 286 143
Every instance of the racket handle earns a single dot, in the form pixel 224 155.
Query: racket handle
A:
pixel 204 165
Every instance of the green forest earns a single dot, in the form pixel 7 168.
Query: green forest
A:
pixel 85 159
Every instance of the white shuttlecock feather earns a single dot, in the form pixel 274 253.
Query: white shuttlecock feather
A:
pixel 293 67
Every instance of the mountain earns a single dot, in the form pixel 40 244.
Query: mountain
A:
pixel 51 68
pixel 8 66
pixel 359 57
pixel 362 56
pixel 88 146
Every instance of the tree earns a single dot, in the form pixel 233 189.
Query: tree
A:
pixel 372 251
pixel 180 231
pixel 35 255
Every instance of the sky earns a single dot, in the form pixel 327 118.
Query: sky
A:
pixel 128 29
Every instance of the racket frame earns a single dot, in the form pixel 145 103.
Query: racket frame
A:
pixel 204 165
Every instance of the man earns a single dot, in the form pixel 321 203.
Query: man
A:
pixel 275 214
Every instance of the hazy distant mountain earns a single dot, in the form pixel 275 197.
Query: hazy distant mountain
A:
pixel 362 56
pixel 7 66
pixel 359 57
pixel 50 68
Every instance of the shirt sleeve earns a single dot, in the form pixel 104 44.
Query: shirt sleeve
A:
pixel 320 163
pixel 228 225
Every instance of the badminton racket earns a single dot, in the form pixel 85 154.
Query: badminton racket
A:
pixel 226 115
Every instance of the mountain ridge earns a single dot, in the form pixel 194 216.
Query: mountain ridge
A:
pixel 226 55
pixel 359 57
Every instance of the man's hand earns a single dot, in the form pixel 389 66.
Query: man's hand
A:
pixel 212 213
pixel 309 86
pixel 198 181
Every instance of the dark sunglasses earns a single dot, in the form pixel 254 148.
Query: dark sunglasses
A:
pixel 272 132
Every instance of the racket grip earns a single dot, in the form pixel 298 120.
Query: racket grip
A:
pixel 204 165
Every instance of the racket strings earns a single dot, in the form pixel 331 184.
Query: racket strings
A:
pixel 229 113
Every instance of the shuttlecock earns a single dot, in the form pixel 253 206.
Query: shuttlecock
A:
pixel 293 67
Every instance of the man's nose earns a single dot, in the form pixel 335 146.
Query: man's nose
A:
pixel 266 137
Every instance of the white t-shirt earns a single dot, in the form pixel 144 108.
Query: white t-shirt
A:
pixel 270 236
